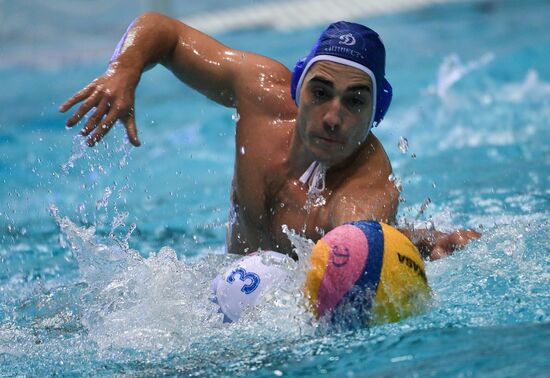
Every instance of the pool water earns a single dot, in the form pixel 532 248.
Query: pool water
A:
pixel 106 254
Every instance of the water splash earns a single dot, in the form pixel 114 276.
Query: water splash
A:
pixel 79 149
pixel 499 280
pixel 301 246
pixel 126 148
pixel 397 181
pixel 161 303
pixel 104 201
pixel 423 207
pixel 314 200
pixel 453 70
pixel 531 86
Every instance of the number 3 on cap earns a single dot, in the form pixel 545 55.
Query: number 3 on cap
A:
pixel 243 276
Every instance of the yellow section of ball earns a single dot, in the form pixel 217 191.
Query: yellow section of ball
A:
pixel 318 260
pixel 403 289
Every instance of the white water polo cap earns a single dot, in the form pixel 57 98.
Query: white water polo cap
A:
pixel 245 281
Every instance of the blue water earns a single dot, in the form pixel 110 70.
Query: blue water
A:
pixel 86 287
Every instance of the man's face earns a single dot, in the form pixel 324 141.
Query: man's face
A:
pixel 336 104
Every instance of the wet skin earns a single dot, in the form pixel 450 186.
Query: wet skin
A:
pixel 279 140
pixel 331 127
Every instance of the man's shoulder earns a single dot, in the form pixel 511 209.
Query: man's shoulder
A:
pixel 264 88
pixel 373 157
pixel 370 168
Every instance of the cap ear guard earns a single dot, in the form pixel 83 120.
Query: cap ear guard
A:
pixel 296 74
pixel 384 102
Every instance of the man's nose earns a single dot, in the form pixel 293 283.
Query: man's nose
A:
pixel 333 116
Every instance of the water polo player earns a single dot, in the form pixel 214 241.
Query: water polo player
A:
pixel 312 164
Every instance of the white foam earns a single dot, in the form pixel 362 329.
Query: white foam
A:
pixel 162 303
pixel 453 69
pixel 532 85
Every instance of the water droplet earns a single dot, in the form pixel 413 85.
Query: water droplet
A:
pixel 236 117
pixel 118 220
pixel 403 144
pixel 319 201
pixel 413 155
pixel 397 181
pixel 103 202
pixel 430 225
pixel 242 150
pixel 423 207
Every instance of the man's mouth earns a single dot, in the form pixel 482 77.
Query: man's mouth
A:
pixel 329 140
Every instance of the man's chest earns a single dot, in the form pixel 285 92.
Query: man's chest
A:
pixel 269 199
pixel 292 207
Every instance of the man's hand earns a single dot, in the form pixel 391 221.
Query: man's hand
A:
pixel 445 244
pixel 112 95
pixel 434 244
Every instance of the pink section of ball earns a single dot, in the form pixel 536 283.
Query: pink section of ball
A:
pixel 348 254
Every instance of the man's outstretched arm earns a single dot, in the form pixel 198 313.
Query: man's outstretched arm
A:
pixel 431 244
pixel 194 57
pixel 357 202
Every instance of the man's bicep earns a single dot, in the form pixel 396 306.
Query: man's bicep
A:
pixel 219 72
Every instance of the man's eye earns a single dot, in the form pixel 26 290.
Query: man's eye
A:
pixel 319 93
pixel 357 103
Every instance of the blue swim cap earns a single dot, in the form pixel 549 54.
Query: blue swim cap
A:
pixel 354 45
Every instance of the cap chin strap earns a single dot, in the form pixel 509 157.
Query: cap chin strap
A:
pixel 314 176
pixel 368 132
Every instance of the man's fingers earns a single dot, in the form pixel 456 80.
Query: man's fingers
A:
pixel 438 252
pixel 445 244
pixel 76 98
pixel 95 118
pixel 131 130
pixel 84 108
pixel 103 128
pixel 473 234
pixel 462 237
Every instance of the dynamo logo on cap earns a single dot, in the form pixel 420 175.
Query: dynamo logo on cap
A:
pixel 347 39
